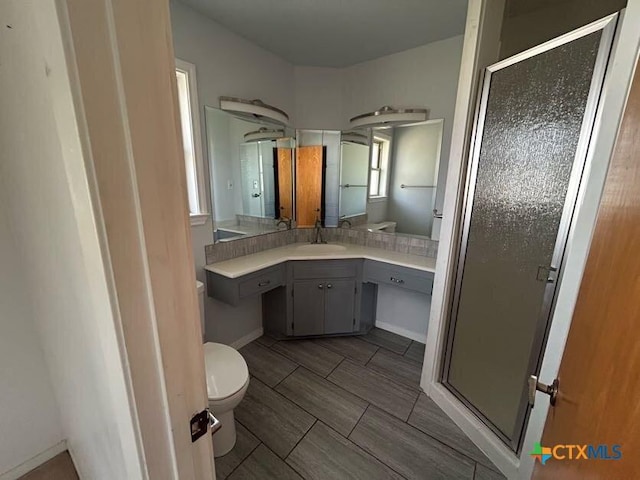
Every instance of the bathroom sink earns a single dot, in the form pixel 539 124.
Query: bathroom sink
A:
pixel 321 248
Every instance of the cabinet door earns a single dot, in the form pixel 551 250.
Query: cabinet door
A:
pixel 308 307
pixel 339 306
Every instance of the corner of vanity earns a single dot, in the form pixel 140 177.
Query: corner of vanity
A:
pixel 318 294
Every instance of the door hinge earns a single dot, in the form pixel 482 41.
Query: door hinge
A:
pixel 292 327
pixel 292 291
pixel 354 321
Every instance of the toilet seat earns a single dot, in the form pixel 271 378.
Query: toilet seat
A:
pixel 226 370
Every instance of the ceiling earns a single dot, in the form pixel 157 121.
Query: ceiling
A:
pixel 337 33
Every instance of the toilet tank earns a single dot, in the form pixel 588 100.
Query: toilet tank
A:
pixel 200 287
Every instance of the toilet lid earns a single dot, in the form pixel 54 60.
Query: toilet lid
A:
pixel 227 371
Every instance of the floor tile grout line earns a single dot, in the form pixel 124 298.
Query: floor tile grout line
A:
pixel 334 368
pixel 315 420
pixel 287 376
pixel 360 418
pixel 430 435
pixel 335 350
pixel 389 376
pixel 312 414
pixel 367 451
pixel 244 459
pixel 361 448
pixel 424 433
pixel 308 368
pixel 364 399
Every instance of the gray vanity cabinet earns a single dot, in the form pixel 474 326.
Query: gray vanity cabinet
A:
pixel 308 308
pixel 321 297
pixel 324 306
pixel 324 296
pixel 340 306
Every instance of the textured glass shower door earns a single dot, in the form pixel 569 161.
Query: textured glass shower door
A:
pixel 536 115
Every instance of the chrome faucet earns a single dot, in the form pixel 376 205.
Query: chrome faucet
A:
pixel 286 221
pixel 317 233
pixel 342 222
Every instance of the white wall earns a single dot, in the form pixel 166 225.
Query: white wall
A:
pixel 50 211
pixel 29 416
pixel 425 76
pixel 319 98
pixel 227 64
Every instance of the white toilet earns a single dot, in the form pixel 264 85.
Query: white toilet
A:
pixel 227 382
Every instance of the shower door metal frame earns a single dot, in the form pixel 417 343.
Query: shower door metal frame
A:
pixel 580 163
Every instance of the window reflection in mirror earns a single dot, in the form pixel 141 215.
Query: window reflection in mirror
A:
pixel 401 168
pixel 251 175
pixel 354 173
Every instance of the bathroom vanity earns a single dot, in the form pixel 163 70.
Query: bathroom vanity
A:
pixel 313 290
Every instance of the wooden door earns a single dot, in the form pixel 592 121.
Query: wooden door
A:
pixel 339 306
pixel 308 307
pixel 599 376
pixel 126 70
pixel 309 163
pixel 285 182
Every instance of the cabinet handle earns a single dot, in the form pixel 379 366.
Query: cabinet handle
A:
pixel 397 280
pixel 264 284
pixel 329 285
pixel 320 286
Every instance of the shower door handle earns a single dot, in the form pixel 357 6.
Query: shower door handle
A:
pixel 536 386
pixel 546 274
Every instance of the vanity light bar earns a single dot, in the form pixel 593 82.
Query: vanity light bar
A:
pixel 263 134
pixel 389 116
pixel 254 110
pixel 355 137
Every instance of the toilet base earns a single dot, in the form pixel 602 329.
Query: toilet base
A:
pixel 225 438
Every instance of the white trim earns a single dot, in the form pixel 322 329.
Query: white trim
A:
pixel 613 100
pixel 247 339
pixel 190 70
pixel 34 462
pixel 146 289
pixel 198 219
pixel 418 337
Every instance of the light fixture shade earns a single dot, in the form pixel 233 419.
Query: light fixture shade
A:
pixel 254 111
pixel 389 116
pixel 355 137
pixel 264 134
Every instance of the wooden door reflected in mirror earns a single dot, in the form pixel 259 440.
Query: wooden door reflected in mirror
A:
pixel 285 182
pixel 309 179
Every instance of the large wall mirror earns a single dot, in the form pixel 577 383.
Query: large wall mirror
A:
pixel 354 172
pixel 388 178
pixel 251 168
pixel 264 177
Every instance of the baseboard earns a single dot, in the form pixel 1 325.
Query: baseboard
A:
pixel 401 331
pixel 504 459
pixel 241 342
pixel 34 462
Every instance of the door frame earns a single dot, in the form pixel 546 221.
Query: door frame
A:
pixel 128 122
pixel 480 47
pixel 608 27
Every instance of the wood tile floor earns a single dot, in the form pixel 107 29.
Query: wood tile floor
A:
pixel 345 408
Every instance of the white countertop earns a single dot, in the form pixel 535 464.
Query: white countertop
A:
pixel 237 267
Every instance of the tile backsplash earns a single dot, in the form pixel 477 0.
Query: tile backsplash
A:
pixel 246 246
